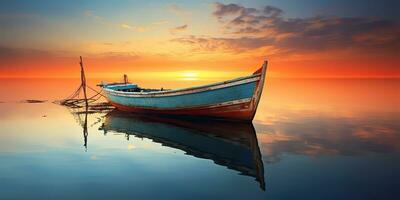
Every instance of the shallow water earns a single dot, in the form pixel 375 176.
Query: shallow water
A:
pixel 311 139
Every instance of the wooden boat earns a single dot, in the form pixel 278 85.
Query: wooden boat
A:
pixel 230 144
pixel 235 99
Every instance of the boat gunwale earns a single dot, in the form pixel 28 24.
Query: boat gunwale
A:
pixel 182 91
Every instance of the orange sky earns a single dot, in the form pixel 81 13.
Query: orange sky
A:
pixel 201 41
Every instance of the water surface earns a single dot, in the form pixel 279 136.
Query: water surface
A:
pixel 311 139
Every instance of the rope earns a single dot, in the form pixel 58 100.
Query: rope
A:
pixel 97 91
pixel 76 93
pixel 74 100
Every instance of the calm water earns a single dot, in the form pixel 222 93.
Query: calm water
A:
pixel 311 139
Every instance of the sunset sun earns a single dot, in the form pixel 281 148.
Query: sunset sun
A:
pixel 189 75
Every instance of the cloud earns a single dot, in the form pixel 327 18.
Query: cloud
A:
pixel 134 28
pixel 218 44
pixel 222 10
pixel 126 26
pixel 250 28
pixel 179 29
pixel 272 11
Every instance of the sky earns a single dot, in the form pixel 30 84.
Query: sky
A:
pixel 192 39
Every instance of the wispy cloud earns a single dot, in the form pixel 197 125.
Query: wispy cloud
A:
pixel 134 28
pixel 221 44
pixel 126 26
pixel 179 29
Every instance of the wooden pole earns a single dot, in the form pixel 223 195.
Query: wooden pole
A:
pixel 85 130
pixel 83 82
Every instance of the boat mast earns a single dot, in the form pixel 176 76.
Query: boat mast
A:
pixel 83 82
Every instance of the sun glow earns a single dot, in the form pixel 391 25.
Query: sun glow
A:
pixel 189 75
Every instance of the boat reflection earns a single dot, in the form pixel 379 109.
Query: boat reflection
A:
pixel 233 145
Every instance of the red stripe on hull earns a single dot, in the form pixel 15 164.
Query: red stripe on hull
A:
pixel 240 111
